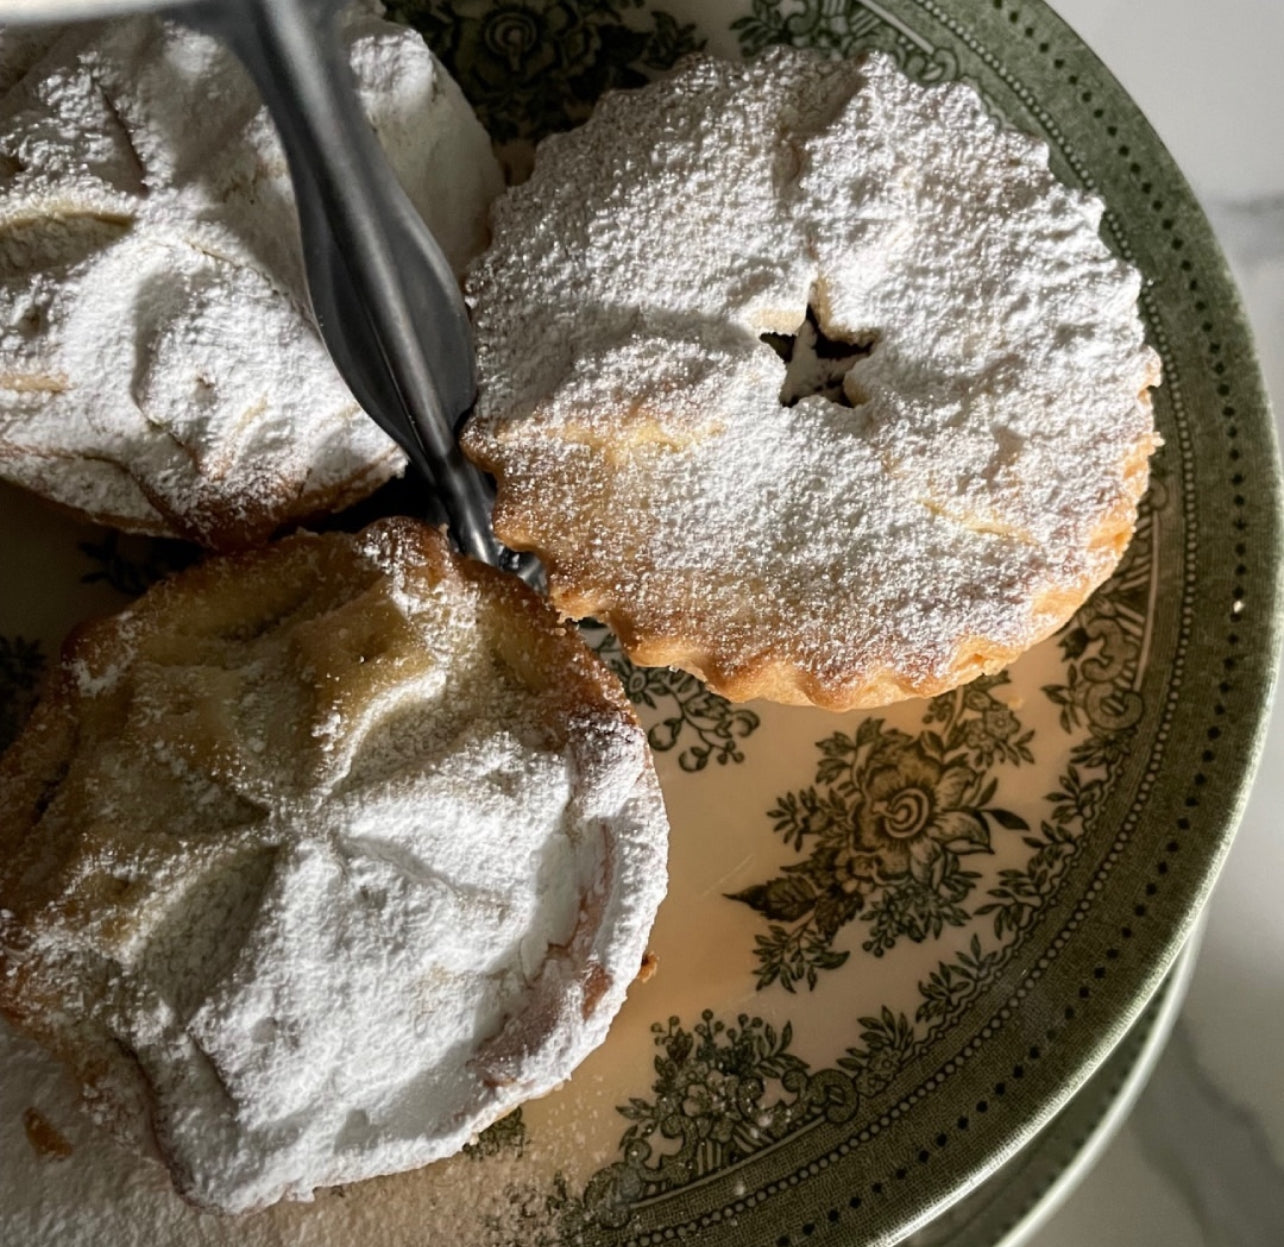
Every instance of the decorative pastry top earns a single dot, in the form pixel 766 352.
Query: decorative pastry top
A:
pixel 811 380
pixel 318 860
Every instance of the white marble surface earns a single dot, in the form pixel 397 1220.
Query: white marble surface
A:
pixel 1201 1161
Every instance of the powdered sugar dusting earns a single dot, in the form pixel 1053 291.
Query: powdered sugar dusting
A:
pixel 103 1193
pixel 994 450
pixel 377 888
pixel 158 361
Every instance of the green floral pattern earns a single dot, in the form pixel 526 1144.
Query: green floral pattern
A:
pixel 705 725
pixel 1103 647
pixel 841 28
pixel 887 825
pixel 530 67
pixel 721 1093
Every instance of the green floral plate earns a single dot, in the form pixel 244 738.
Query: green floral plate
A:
pixel 1025 1192
pixel 826 1053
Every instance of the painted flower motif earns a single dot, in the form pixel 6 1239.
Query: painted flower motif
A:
pixel 912 807
pixel 714 1105
pixel 996 724
pixel 534 66
pixel 855 871
pixel 514 58
pixel 706 726
pixel 512 43
pixel 886 829
pixel 878 1069
pixel 636 687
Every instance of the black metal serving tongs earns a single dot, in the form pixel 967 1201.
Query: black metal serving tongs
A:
pixel 385 299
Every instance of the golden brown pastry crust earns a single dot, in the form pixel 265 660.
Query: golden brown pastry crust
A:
pixel 942 502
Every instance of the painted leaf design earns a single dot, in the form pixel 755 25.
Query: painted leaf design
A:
pixel 785 899
pixel 835 910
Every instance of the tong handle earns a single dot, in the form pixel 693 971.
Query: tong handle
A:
pixel 386 301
